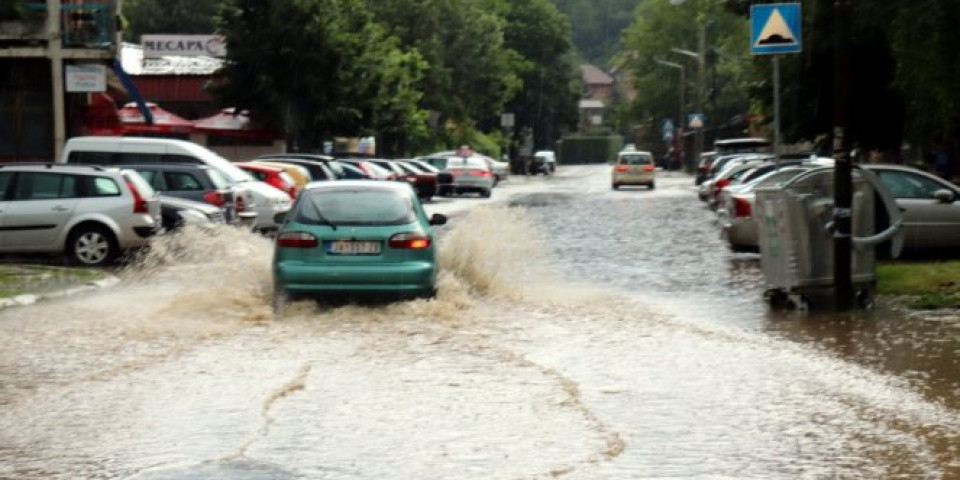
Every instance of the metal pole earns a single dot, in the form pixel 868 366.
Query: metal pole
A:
pixel 683 102
pixel 776 106
pixel 701 85
pixel 843 190
pixel 55 54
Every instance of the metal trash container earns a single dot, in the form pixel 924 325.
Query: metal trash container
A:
pixel 794 223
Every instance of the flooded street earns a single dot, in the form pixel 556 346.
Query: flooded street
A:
pixel 579 333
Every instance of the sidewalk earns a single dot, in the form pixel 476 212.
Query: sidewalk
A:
pixel 25 284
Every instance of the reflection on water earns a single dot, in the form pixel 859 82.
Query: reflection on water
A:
pixel 556 348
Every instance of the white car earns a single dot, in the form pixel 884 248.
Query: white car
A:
pixel 545 161
pixel 470 174
pixel 257 196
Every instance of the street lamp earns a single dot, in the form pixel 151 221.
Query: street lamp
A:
pixel 701 80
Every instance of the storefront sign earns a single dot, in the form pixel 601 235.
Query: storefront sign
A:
pixel 183 45
pixel 86 78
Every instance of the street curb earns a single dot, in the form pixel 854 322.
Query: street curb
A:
pixel 30 299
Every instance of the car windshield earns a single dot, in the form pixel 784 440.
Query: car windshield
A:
pixel 636 159
pixel 355 206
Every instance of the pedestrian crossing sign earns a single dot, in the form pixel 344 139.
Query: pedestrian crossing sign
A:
pixel 775 28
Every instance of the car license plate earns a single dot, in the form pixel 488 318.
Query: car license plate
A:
pixel 353 247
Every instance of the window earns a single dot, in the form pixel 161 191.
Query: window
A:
pixel 356 207
pixel 4 183
pixel 908 185
pixel 182 181
pixel 130 158
pixel 636 159
pixel 91 158
pixel 45 186
pixel 181 159
pixel 151 177
pixel 102 187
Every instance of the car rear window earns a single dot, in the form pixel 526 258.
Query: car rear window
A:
pixel 635 159
pixel 355 206
pixel 141 185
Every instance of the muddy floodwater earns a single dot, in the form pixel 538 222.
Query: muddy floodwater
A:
pixel 579 333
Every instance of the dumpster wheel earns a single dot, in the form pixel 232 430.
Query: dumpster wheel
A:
pixel 776 298
pixel 864 298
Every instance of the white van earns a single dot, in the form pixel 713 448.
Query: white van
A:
pixel 264 199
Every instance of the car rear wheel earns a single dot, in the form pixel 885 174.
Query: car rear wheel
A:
pixel 92 245
pixel 485 193
pixel 615 186
pixel 652 185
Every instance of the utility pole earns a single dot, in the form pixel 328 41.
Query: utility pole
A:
pixel 683 88
pixel 843 189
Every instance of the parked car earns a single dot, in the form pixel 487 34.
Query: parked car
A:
pixel 501 170
pixel 352 238
pixel 634 167
pixel 930 206
pixel 444 179
pixel 424 182
pixel 90 213
pixel 727 146
pixel 321 167
pixel 96 150
pixel 177 212
pixel 276 177
pixel 703 166
pixel 300 175
pixel 545 162
pixel 370 169
pixel 470 174
pixel 735 208
pixel 706 189
pixel 199 183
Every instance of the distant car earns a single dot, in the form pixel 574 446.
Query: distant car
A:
pixel 423 181
pixel 176 212
pixel 355 238
pixel 300 174
pixel 728 146
pixel 370 169
pixel 501 170
pixel 90 213
pixel 444 179
pixel 545 162
pixel 930 206
pixel 470 174
pixel 735 210
pixel 199 183
pixel 321 167
pixel 634 167
pixel 276 177
pixel 703 166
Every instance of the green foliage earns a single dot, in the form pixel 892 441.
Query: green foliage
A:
pixel 335 72
pixel 597 26
pixel 660 27
pixel 576 149
pixel 546 105
pixel 169 16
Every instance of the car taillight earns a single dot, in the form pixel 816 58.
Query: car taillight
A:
pixel 481 173
pixel 720 185
pixel 240 203
pixel 411 241
pixel 214 197
pixel 139 203
pixel 297 240
pixel 648 168
pixel 622 168
pixel 456 172
pixel 741 207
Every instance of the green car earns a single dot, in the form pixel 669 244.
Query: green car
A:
pixel 353 238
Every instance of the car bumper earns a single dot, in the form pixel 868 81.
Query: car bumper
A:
pixel 304 278
pixel 640 179
pixel 740 233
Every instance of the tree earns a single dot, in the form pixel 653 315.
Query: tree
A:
pixel 659 28
pixel 597 31
pixel 547 103
pixel 470 74
pixel 169 16
pixel 333 72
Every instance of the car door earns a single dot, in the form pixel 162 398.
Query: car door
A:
pixel 38 210
pixel 928 222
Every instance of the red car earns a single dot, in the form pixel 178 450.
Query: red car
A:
pixel 423 181
pixel 273 176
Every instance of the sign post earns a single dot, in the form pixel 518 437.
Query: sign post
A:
pixel 775 30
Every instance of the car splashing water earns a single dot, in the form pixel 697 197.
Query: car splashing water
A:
pixel 511 372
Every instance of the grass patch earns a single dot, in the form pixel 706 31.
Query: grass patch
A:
pixel 925 285
pixel 19 279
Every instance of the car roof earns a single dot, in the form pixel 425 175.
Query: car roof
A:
pixel 62 167
pixel 366 184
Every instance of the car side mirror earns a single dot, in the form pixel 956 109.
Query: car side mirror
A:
pixel 944 196
pixel 280 217
pixel 438 219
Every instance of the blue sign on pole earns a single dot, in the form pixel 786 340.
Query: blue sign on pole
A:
pixel 775 28
pixel 667 130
